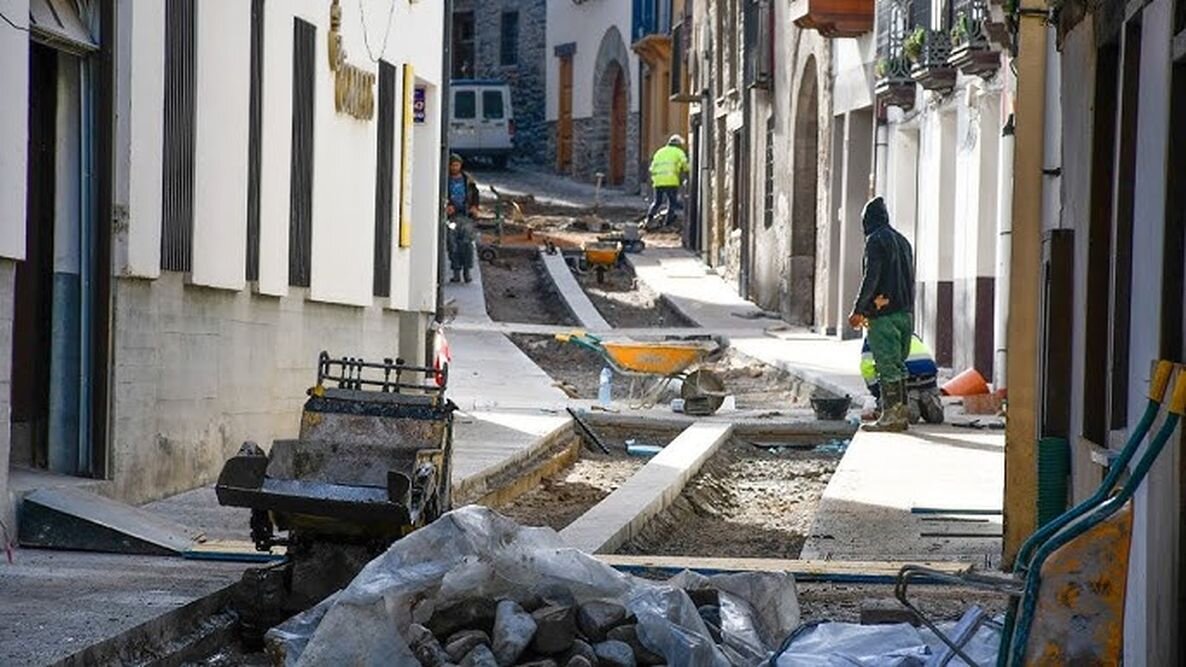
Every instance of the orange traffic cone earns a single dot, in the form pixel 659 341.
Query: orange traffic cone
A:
pixel 968 383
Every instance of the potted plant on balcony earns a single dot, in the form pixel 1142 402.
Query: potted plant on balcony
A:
pixel 972 51
pixel 930 49
pixel 894 86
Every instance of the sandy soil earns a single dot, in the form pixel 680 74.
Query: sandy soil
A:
pixel 746 500
pixel 518 289
pixel 560 499
pixel 625 302
pixel 843 602
pixel 759 386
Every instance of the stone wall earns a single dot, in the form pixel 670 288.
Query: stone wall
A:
pixel 527 78
pixel 590 149
pixel 7 295
pixel 197 371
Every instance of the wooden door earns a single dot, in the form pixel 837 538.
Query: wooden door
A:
pixel 617 136
pixel 564 123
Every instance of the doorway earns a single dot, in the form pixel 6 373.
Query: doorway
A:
pixel 804 203
pixel 617 130
pixel 564 122
pixel 57 292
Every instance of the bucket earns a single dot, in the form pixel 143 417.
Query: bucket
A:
pixel 968 383
pixel 831 409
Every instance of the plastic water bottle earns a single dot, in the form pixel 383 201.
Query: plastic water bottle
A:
pixel 605 388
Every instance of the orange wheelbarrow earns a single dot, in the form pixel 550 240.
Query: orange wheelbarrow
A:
pixel 660 363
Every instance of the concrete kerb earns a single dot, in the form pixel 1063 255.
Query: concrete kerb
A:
pixel 748 426
pixel 574 297
pixel 481 484
pixel 621 515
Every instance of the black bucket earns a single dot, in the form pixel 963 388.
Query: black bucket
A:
pixel 831 409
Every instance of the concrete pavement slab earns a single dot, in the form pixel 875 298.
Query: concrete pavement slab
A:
pixel 866 510
pixel 570 290
pixel 623 513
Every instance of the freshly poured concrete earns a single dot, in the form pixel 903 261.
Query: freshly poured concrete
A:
pixel 865 513
pixel 622 514
pixel 578 302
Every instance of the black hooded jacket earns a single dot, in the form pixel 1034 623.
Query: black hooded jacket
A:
pixel 889 265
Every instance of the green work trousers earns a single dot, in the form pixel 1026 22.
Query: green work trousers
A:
pixel 889 340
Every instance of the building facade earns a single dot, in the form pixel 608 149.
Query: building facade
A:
pixel 593 92
pixel 657 36
pixel 943 85
pixel 211 193
pixel 507 41
pixel 1113 251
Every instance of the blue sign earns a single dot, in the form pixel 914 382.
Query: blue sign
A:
pixel 418 105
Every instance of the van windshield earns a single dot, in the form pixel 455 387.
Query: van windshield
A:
pixel 465 105
pixel 492 105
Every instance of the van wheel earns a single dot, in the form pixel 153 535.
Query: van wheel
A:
pixel 500 161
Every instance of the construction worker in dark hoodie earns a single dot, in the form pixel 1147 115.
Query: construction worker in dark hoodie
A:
pixel 885 305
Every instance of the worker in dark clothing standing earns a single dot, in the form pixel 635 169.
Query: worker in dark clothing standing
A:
pixel 460 209
pixel 885 305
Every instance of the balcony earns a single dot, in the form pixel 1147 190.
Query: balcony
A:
pixel 929 50
pixel 894 86
pixel 975 37
pixel 834 18
pixel 651 18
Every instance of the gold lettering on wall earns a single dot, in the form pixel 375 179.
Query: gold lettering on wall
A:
pixel 354 88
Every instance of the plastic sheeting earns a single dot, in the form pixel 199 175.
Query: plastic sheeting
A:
pixel 901 645
pixel 474 552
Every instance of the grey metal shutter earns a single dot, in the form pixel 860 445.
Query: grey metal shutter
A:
pixel 300 212
pixel 384 179
pixel 255 120
pixel 177 192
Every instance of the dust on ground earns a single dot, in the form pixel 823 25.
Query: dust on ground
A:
pixel 759 386
pixel 626 302
pixel 518 289
pixel 562 498
pixel 746 500
pixel 573 368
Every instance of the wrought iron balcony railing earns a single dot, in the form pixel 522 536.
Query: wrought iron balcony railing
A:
pixel 975 37
pixel 894 85
pixel 929 50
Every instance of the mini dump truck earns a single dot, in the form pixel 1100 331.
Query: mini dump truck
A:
pixel 371 463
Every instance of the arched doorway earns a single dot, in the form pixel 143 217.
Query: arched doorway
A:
pixel 805 195
pixel 617 130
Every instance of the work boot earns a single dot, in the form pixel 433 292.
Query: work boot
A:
pixel 894 417
pixel 468 278
pixel 456 276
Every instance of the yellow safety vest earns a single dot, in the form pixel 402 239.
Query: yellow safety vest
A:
pixel 668 165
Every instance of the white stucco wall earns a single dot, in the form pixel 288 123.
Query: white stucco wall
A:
pixel 345 154
pixel 223 90
pixel 1152 628
pixel 853 70
pixel 140 137
pixel 585 25
pixel 14 111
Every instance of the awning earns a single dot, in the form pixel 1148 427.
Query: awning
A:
pixel 57 24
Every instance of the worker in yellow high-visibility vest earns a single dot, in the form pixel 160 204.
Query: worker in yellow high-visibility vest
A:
pixel 668 167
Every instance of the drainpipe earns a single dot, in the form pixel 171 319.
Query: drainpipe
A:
pixel 446 99
pixel 1004 238
pixel 1021 431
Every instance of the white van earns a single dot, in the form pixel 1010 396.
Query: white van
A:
pixel 482 123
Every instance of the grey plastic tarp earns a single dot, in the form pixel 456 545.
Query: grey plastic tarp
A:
pixel 474 552
pixel 900 645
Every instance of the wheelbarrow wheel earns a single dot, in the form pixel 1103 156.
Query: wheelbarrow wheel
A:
pixel 703 392
pixel 600 275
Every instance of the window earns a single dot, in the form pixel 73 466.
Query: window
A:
pixel 300 212
pixel 492 108
pixel 509 53
pixel 177 195
pixel 465 105
pixel 463 45
pixel 384 180
pixel 768 209
pixel 255 129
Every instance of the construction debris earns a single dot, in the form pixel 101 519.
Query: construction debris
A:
pixel 475 588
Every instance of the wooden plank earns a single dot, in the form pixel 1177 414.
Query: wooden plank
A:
pixel 239 551
pixel 804 570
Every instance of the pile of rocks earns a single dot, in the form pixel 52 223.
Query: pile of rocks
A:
pixel 550 630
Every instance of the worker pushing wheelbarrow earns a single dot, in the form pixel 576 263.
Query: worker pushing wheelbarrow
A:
pixel 661 362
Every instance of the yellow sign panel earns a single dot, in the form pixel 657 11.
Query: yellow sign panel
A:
pixel 405 159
